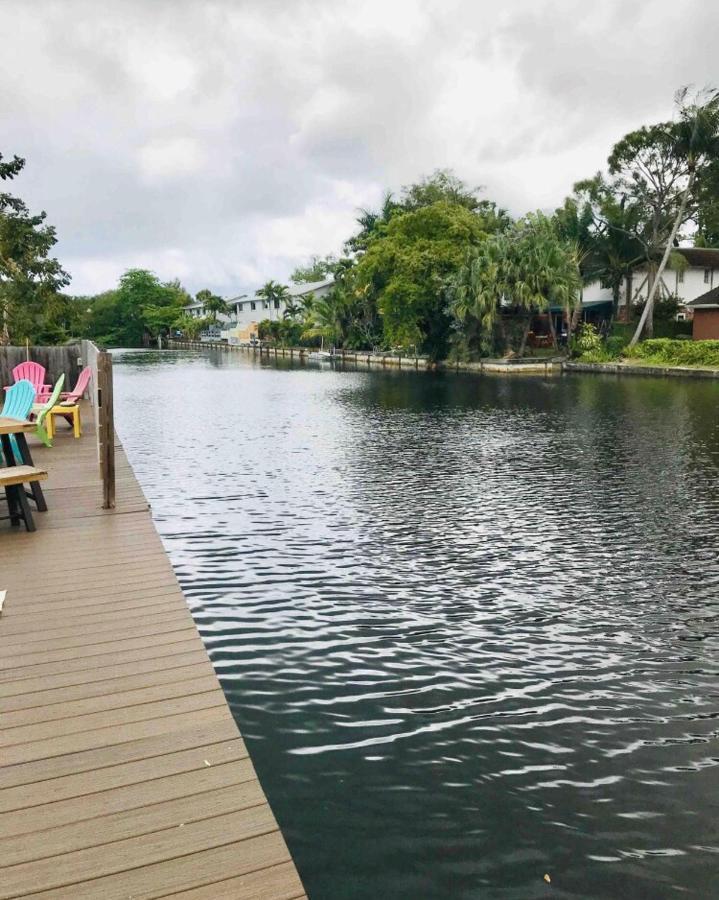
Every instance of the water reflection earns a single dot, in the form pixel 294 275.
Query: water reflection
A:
pixel 467 625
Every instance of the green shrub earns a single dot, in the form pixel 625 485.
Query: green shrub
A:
pixel 588 345
pixel 587 340
pixel 669 352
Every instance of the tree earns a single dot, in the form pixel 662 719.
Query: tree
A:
pixel 528 269
pixel 372 224
pixel 30 280
pixel 327 318
pixel 441 186
pixel 214 305
pixel 406 266
pixel 609 248
pixel 694 145
pixel 191 326
pixel 140 308
pixel 273 293
pixel 318 269
pixel 707 218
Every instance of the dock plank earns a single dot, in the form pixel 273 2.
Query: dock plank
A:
pixel 122 771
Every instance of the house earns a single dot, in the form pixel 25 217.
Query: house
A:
pixel 700 275
pixel 247 312
pixel 705 325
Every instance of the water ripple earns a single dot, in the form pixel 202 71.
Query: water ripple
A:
pixel 469 627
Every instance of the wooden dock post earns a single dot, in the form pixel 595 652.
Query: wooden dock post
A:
pixel 106 428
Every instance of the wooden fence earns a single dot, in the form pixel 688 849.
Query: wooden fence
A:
pixel 101 397
pixel 64 360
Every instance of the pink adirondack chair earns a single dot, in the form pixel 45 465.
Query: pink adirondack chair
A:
pixel 69 398
pixel 83 379
pixel 34 373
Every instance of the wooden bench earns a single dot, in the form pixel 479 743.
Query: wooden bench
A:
pixel 13 479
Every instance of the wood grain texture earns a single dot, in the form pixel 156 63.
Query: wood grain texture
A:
pixel 122 770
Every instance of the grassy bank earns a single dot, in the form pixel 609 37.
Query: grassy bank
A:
pixel 668 352
pixel 672 346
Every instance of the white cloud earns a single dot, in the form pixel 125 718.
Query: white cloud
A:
pixel 174 157
pixel 223 142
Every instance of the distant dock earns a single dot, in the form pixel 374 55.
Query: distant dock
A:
pixel 122 771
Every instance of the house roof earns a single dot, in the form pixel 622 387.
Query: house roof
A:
pixel 710 299
pixel 701 257
pixel 299 290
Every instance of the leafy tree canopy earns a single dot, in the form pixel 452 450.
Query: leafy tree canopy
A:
pixel 528 269
pixel 140 306
pixel 213 303
pixel 317 269
pixel 405 268
pixel 30 279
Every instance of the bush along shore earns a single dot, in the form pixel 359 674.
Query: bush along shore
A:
pixel 679 351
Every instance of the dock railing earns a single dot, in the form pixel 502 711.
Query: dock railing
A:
pixel 101 398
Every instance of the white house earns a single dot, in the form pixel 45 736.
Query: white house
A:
pixel 247 312
pixel 700 275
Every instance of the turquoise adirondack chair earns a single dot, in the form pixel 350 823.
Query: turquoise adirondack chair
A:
pixel 18 400
pixel 18 405
pixel 41 411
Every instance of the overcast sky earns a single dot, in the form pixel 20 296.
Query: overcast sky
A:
pixel 225 142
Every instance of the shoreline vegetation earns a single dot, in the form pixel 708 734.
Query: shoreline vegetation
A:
pixel 537 365
pixel 437 271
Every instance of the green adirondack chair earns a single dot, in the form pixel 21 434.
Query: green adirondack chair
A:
pixel 41 411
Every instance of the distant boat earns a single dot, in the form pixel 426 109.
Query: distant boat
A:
pixel 322 355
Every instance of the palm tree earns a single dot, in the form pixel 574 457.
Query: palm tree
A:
pixel 529 268
pixel 214 305
pixel 372 223
pixel 326 317
pixel 273 293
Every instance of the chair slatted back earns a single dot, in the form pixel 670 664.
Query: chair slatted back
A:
pixel 82 382
pixel 32 372
pixel 18 400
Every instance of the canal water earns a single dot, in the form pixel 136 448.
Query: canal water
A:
pixel 468 626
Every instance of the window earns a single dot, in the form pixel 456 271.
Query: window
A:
pixel 707 276
pixel 681 317
pixel 266 304
pixel 253 305
pixel 277 304
pixel 240 307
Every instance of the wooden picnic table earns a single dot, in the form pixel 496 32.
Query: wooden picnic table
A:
pixel 19 428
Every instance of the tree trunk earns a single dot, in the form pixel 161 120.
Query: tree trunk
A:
pixel 651 290
pixel 647 314
pixel 502 334
pixel 552 330
pixel 525 335
pixel 576 316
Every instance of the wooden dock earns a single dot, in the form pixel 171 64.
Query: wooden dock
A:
pixel 122 772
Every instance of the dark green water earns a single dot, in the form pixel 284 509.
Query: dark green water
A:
pixel 468 626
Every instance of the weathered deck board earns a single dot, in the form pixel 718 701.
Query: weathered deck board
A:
pixel 122 772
